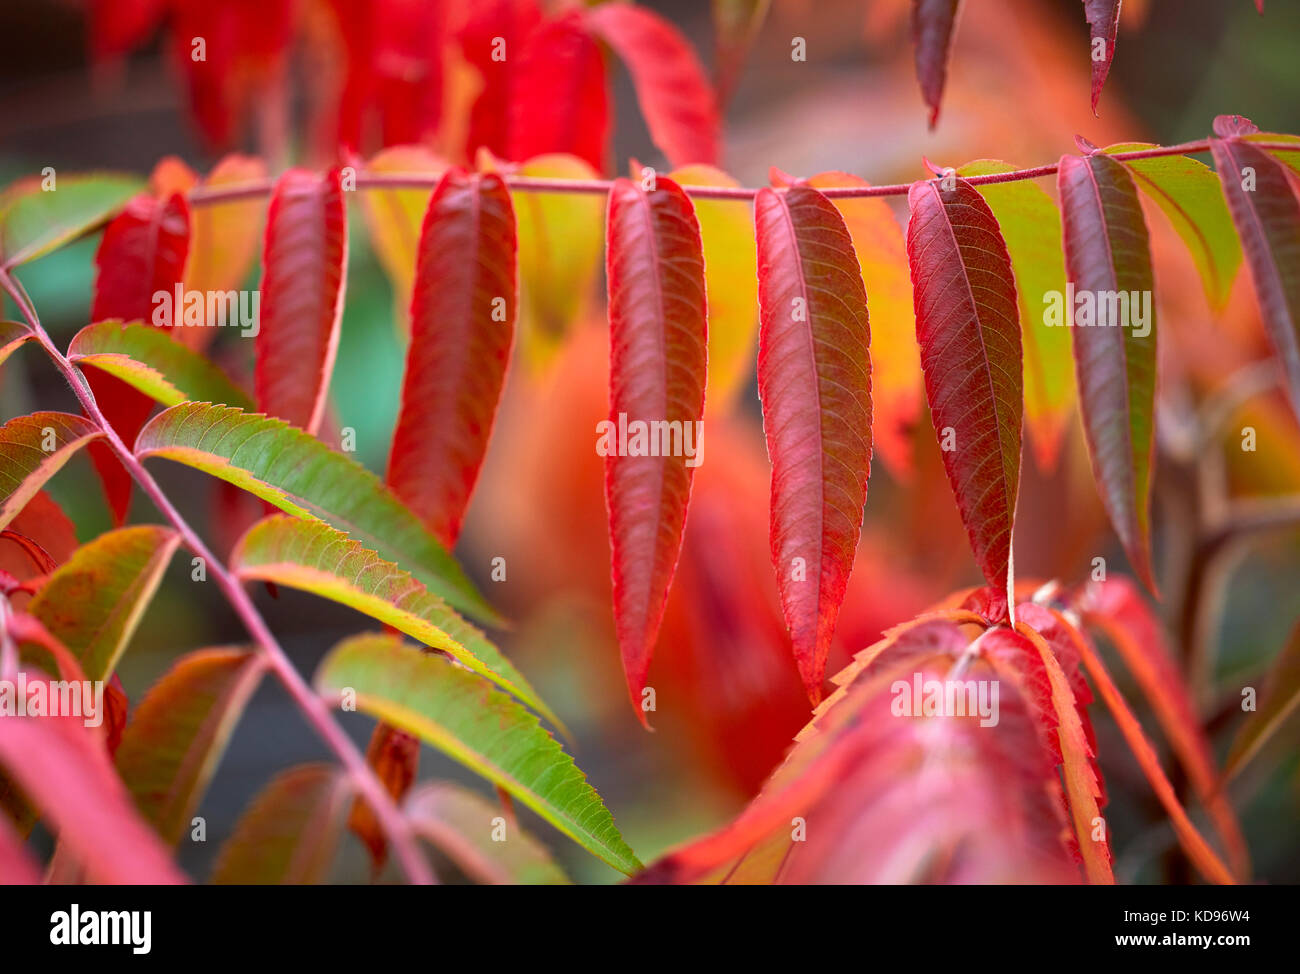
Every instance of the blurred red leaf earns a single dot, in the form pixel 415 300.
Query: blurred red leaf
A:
pixel 934 22
pixel 1103 23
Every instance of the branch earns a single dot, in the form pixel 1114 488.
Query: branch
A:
pixel 396 828
pixel 205 195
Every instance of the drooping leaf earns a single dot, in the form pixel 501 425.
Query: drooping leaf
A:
pixel 394 756
pixel 179 731
pixel 32 450
pixel 313 557
pixel 1188 193
pixel 304 264
pixel 1103 24
pixel 1031 227
pixel 934 22
pixel 465 827
pixel 64 769
pixel 462 715
pixel 1267 216
pixel 658 360
pixel 560 102
pixel 224 237
pixel 147 359
pixel 1108 262
pixel 141 255
pixel 1117 609
pixel 394 218
pixel 94 601
pixel 289 833
pixel 303 477
pixel 462 330
pixel 1278 701
pixel 493 34
pixel 118 27
pixel 736 24
pixel 560 243
pixel 895 361
pixel 1198 850
pixel 730 277
pixel 35 220
pixel 1073 749
pixel 814 378
pixel 964 296
pixel 675 95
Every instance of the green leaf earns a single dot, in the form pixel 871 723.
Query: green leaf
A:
pixel 93 602
pixel 179 731
pixel 462 824
pixel 34 222
pixel 151 361
pixel 289 834
pixel 32 450
pixel 1188 192
pixel 465 717
pixel 303 477
pixel 314 557
pixel 1031 227
pixel 1288 157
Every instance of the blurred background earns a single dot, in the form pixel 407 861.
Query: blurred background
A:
pixel 729 698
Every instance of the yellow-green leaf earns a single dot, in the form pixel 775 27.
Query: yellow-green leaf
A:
pixel 464 716
pixel 35 220
pixel 32 450
pixel 314 557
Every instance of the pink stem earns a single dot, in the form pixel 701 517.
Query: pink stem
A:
pixel 395 825
pixel 536 184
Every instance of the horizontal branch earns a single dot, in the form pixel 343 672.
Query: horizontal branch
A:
pixel 206 195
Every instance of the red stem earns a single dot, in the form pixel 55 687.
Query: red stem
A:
pixel 395 825
pixel 536 184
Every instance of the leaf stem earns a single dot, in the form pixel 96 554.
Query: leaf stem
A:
pixel 206 195
pixel 395 825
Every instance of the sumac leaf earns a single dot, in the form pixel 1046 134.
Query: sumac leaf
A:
pixel 814 378
pixel 64 769
pixel 463 824
pixel 35 221
pixel 487 26
pixel 394 756
pixel 304 264
pixel 314 557
pixel 934 22
pixel 303 477
pixel 148 360
pixel 1103 25
pixel 290 831
pixel 676 98
pixel 180 729
pixel 32 450
pixel 658 360
pixel 1267 216
pixel 964 295
pixel 1108 263
pixel 736 24
pixel 561 104
pixel 462 328
pixel 463 716
pixel 1278 701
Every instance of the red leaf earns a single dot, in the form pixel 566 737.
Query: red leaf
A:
pixel 968 327
pixel 1268 222
pixel 142 253
pixel 304 265
pixel 934 22
pixel 463 310
pixel 1118 610
pixel 1103 22
pixel 65 771
pixel 512 21
pixel 394 756
pixel 657 355
pixel 560 102
pixel 674 92
pixel 814 378
pixel 117 27
pixel 1107 253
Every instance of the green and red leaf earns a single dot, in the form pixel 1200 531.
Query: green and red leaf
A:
pixel 33 448
pixel 814 378
pixel 658 360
